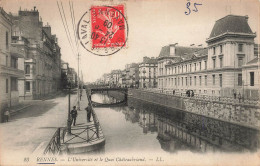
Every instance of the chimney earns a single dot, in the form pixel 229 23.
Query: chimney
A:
pixel 145 59
pixel 172 49
pixel 246 17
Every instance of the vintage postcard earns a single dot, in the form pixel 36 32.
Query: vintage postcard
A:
pixel 129 82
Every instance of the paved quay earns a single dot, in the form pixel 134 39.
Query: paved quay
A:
pixel 83 137
pixel 33 126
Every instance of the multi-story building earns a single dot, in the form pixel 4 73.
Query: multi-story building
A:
pixel 10 66
pixel 115 75
pixel 176 62
pixel 148 73
pixel 42 62
pixel 64 74
pixel 132 75
pixel 216 70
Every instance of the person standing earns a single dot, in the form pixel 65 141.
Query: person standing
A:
pixel 74 115
pixel 89 111
pixel 6 115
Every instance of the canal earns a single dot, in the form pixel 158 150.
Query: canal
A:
pixel 146 127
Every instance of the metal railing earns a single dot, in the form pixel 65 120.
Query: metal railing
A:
pixel 83 133
pixel 54 146
pixel 208 97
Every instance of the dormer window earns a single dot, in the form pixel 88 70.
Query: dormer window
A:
pixel 214 50
pixel 221 49
pixel 240 47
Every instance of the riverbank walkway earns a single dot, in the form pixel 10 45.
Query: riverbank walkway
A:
pixel 84 137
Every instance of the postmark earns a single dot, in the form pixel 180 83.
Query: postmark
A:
pixel 103 30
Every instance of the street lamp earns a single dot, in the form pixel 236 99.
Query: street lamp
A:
pixel 69 120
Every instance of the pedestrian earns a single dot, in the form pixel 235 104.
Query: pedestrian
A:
pixel 192 93
pixel 6 115
pixel 239 97
pixel 89 111
pixel 235 95
pixel 74 115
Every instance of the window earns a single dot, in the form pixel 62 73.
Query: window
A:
pixel 214 50
pixel 206 80
pixel 175 70
pixel 213 79
pixel 240 47
pixel 239 80
pixel 27 69
pixel 175 80
pixel 182 81
pixel 205 65
pixel 14 62
pixel 34 85
pixel 200 65
pixel 27 86
pixel 252 78
pixel 214 63
pixel 14 84
pixel 220 62
pixel 200 80
pixel 6 86
pixel 178 81
pixel 182 69
pixel 186 66
pixel 190 81
pixel 195 80
pixel 195 66
pixel 6 40
pixel 221 49
pixel 6 60
pixel 220 80
pixel 186 81
pixel 240 62
pixel 190 67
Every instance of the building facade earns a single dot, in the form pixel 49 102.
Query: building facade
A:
pixel 42 62
pixel 132 75
pixel 216 70
pixel 10 66
pixel 148 73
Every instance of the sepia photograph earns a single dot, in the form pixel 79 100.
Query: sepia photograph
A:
pixel 129 82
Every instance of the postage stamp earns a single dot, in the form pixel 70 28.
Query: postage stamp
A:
pixel 103 30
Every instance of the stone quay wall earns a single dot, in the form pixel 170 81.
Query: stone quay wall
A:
pixel 116 94
pixel 236 113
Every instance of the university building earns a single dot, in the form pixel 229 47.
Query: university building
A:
pixel 227 67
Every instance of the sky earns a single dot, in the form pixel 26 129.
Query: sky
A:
pixel 152 25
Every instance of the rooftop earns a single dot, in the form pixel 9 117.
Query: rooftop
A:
pixel 179 51
pixel 231 23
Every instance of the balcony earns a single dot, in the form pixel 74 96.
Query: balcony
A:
pixel 17 52
pixel 29 60
pixel 9 71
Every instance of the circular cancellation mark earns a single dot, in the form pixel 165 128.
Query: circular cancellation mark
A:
pixel 103 30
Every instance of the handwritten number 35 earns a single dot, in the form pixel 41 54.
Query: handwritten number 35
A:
pixel 188 7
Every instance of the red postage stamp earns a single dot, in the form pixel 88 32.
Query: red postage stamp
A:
pixel 108 26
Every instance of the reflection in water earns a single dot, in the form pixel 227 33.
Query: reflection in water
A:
pixel 178 130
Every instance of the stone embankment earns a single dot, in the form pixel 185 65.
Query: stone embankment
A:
pixel 247 115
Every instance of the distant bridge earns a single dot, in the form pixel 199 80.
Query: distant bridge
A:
pixel 102 90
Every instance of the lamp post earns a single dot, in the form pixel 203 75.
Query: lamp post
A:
pixel 69 121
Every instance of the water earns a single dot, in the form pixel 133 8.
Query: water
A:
pixel 141 127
